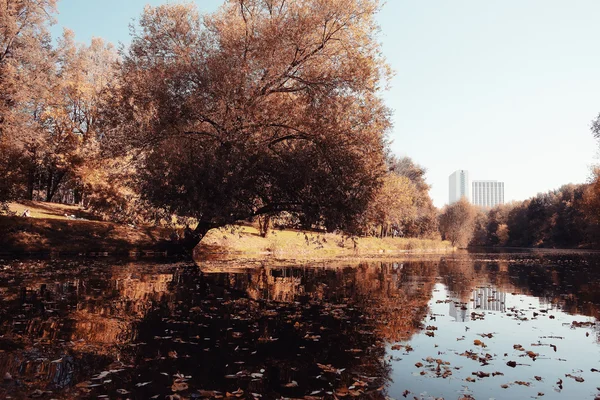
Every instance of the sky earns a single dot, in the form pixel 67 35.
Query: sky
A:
pixel 506 90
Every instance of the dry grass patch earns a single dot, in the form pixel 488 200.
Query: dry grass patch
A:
pixel 295 244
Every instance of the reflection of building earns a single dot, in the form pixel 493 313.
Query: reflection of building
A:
pixel 459 186
pixel 481 299
pixel 488 299
pixel 488 193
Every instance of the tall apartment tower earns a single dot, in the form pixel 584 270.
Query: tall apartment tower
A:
pixel 460 186
pixel 488 193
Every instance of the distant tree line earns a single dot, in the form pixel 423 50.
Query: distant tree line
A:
pixel 565 218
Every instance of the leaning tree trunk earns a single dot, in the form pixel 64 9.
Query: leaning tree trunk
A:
pixel 191 237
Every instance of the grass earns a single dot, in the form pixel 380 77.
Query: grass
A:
pixel 52 228
pixel 39 209
pixel 294 244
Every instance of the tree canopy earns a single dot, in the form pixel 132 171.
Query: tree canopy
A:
pixel 262 107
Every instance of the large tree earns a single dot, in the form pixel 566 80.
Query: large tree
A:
pixel 69 112
pixel 25 58
pixel 264 106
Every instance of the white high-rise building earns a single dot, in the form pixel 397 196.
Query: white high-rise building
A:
pixel 488 193
pixel 460 186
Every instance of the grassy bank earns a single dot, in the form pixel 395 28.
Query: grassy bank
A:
pixel 57 228
pixel 245 241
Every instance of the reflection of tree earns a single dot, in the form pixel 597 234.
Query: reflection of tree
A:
pixel 395 296
pixel 74 321
pixel 286 321
pixel 60 321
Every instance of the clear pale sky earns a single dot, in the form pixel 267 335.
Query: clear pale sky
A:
pixel 505 89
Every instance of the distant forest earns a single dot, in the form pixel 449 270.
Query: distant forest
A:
pixel 565 218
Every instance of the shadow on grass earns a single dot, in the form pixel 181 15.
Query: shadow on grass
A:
pixel 58 210
pixel 79 236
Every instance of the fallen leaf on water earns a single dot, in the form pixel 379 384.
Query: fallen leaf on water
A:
pixel 511 364
pixel 291 384
pixel 359 350
pixel 238 393
pixel 522 383
pixel 179 386
pixel 329 368
pixel 101 375
pixel 207 393
pixel 577 378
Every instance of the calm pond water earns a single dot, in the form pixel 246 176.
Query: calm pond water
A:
pixel 482 326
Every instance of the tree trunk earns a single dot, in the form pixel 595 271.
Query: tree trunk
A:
pixel 49 186
pixel 191 238
pixel 53 185
pixel 264 221
pixel 30 183
pixel 78 195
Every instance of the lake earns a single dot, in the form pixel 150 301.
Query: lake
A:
pixel 479 325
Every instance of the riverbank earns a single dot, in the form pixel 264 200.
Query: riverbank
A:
pixel 245 242
pixel 70 230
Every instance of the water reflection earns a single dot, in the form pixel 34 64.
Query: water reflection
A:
pixel 140 330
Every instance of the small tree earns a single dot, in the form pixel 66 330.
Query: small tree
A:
pixel 392 206
pixel 457 223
